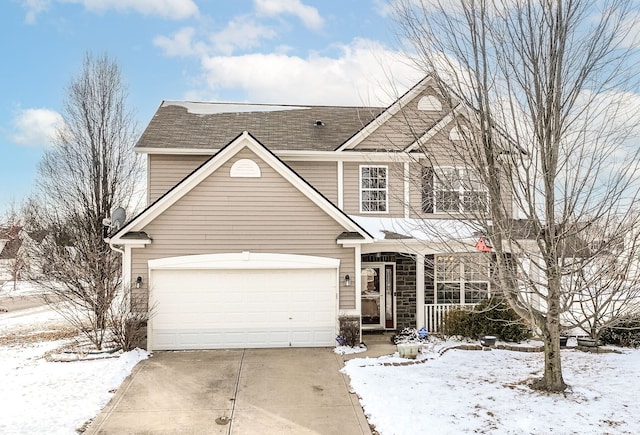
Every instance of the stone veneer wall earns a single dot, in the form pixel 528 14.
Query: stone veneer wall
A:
pixel 405 291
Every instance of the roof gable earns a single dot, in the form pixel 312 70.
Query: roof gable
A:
pixel 386 115
pixel 245 140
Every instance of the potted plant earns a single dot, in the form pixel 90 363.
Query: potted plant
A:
pixel 488 340
pixel 587 342
pixel 409 340
pixel 408 350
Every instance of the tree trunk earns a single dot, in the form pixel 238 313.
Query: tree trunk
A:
pixel 552 379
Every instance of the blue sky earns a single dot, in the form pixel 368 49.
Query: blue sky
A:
pixel 335 52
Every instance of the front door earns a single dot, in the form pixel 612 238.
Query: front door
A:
pixel 378 301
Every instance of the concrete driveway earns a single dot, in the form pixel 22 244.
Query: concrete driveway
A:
pixel 252 391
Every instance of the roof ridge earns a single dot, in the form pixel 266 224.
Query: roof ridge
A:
pixel 167 102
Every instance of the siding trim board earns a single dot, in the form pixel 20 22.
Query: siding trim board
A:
pixel 294 155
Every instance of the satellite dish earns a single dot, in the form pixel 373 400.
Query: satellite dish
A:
pixel 118 216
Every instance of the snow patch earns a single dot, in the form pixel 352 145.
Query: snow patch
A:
pixel 460 391
pixel 41 397
pixel 203 108
pixel 348 350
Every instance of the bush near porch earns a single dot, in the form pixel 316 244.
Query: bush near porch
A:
pixel 625 334
pixel 490 317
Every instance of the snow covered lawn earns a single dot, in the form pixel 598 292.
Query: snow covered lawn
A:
pixel 486 392
pixel 41 397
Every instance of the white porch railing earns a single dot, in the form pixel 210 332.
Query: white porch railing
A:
pixel 434 314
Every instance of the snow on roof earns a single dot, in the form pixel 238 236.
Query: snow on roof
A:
pixel 203 108
pixel 418 229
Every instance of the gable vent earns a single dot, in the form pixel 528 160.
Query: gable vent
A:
pixel 245 168
pixel 429 103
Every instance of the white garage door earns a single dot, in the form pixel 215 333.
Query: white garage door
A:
pixel 247 303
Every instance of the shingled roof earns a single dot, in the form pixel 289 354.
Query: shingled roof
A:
pixel 193 125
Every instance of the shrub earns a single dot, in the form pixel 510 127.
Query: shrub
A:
pixel 129 333
pixel 462 322
pixel 350 331
pixel 491 317
pixel 625 333
pixel 128 320
pixel 411 335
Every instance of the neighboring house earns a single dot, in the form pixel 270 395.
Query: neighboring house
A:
pixel 18 253
pixel 11 263
pixel 267 224
pixel 9 246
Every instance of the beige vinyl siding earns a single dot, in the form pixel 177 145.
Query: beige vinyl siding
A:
pixel 167 170
pixel 321 175
pixel 395 192
pixel 403 128
pixel 443 151
pixel 265 214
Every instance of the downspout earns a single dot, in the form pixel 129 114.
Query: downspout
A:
pixel 121 252
pixel 113 247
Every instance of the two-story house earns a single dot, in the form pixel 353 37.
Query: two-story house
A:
pixel 266 224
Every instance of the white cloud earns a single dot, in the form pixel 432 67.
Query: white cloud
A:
pixel 173 9
pixel 34 7
pixel 364 73
pixel 36 127
pixel 307 14
pixel 241 32
pixel 181 43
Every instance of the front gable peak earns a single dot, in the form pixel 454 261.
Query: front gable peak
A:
pixel 241 168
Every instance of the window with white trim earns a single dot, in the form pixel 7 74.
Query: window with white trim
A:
pixel 461 279
pixel 458 190
pixel 374 189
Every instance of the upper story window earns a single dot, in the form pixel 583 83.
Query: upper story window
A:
pixel 374 189
pixel 453 190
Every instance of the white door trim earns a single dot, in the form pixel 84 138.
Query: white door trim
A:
pixel 382 266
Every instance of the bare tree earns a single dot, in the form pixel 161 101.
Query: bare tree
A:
pixel 89 171
pixel 544 101
pixel 605 291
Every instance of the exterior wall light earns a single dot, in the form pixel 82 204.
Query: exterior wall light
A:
pixel 138 281
pixel 347 280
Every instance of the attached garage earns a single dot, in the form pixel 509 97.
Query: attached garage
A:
pixel 243 300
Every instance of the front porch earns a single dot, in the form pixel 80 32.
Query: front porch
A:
pixel 414 290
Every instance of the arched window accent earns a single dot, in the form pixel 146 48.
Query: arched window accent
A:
pixel 245 168
pixel 429 103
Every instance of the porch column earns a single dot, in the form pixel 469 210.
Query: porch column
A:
pixel 407 191
pixel 420 321
pixel 358 278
